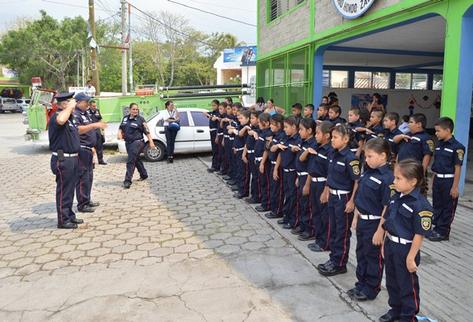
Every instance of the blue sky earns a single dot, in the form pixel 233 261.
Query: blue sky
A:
pixel 242 10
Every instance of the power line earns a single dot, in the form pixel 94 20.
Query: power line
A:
pixel 213 14
pixel 69 5
pixel 225 7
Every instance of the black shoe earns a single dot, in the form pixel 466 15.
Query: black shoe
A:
pixel 388 317
pixel 239 195
pixel 282 221
pixel 126 185
pixel 352 291
pixel 261 209
pixel 287 226
pixel 235 188
pixel 315 248
pixel 231 182
pixel 272 215
pixel 324 265
pixel 170 160
pixel 67 225
pixel 332 270
pixel 86 208
pixel 210 170
pixel 93 204
pixel 143 178
pixel 220 173
pixel 296 230
pixel 226 177
pixel 77 221
pixel 103 163
pixel 436 237
pixel 251 200
pixel 306 236
pixel 359 296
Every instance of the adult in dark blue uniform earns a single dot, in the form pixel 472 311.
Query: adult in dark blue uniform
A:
pixel 64 143
pixel 408 219
pixel 95 116
pixel 213 128
pixel 342 183
pixel 448 159
pixel 132 129
pixel 88 140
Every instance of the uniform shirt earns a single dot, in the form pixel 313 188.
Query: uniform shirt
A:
pixel 250 143
pixel 374 190
pixel 318 164
pixel 165 114
pixel 305 144
pixel 378 130
pixel 240 141
pixel 82 118
pixel 336 121
pixel 343 170
pixel 408 215
pixel 288 157
pixel 389 136
pixel 133 128
pixel 220 129
pixel 213 124
pixel 323 118
pixel 63 137
pixel 419 145
pixel 94 115
pixel 260 144
pixel 277 137
pixel 447 155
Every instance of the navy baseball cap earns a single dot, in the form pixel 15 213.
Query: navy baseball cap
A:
pixel 82 97
pixel 61 97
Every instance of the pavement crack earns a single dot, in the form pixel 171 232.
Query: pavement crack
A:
pixel 191 309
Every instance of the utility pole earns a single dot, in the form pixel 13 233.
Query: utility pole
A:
pixel 93 51
pixel 130 57
pixel 78 68
pixel 124 76
pixel 83 67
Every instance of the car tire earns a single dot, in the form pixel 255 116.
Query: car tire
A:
pixel 154 155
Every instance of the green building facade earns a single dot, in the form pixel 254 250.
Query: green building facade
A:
pixel 301 43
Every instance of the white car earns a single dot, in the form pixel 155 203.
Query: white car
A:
pixel 23 103
pixel 193 137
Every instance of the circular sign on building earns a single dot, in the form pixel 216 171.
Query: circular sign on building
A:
pixel 352 9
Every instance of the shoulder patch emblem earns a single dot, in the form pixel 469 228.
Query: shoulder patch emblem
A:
pixel 392 187
pixel 425 213
pixel 431 145
pixel 355 162
pixel 355 165
pixel 460 154
pixel 426 223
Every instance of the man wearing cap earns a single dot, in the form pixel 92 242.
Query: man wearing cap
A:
pixel 64 143
pixel 88 139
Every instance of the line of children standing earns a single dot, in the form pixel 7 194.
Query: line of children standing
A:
pixel 311 178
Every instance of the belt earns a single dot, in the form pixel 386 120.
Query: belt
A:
pixel 231 138
pixel 302 173
pixel 369 217
pixel 250 151
pixel 226 136
pixel 259 159
pixel 319 179
pixel 448 175
pixel 239 149
pixel 220 134
pixel 289 170
pixel 398 239
pixel 67 155
pixel 273 162
pixel 211 130
pixel 86 147
pixel 339 192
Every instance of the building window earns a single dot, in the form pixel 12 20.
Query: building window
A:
pixel 403 81
pixel 380 80
pixel 419 81
pixel 338 79
pixel 363 79
pixel 278 8
pixel 438 82
pixel 326 78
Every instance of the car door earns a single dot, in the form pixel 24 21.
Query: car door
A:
pixel 201 132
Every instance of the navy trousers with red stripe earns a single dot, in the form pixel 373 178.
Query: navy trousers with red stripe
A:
pixel 66 173
pixel 340 233
pixel 290 198
pixel 254 188
pixel 220 152
pixel 277 192
pixel 243 175
pixel 303 207
pixel 84 184
pixel 134 150
pixel 213 135
pixel 369 268
pixel 320 217
pixel 402 286
pixel 444 205
pixel 264 185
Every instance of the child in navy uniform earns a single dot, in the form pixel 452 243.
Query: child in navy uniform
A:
pixel 249 157
pixel 354 123
pixel 306 229
pixel 416 144
pixel 318 170
pixel 213 127
pixel 334 112
pixel 342 183
pixel 309 111
pixel 375 128
pixel 322 112
pixel 390 123
pixel 243 171
pixel 261 160
pixel 448 159
pixel 407 220
pixel 227 145
pixel 371 201
pixel 222 113
pixel 286 160
pixel 276 185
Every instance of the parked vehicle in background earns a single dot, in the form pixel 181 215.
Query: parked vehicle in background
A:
pixel 9 104
pixel 23 103
pixel 193 137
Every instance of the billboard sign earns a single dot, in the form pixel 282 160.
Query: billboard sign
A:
pixel 245 55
